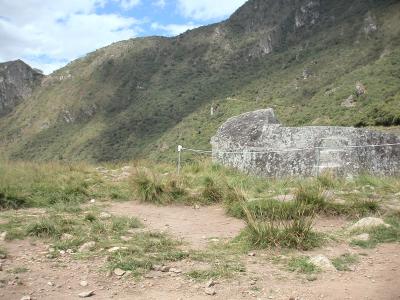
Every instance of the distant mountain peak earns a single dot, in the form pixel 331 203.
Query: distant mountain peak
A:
pixel 17 82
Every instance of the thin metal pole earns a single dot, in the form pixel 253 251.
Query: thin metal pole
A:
pixel 179 159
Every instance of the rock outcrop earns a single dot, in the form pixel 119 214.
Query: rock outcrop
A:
pixel 257 143
pixel 17 81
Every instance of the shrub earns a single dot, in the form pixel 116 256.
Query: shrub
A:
pixel 278 232
pixel 153 188
pixel 11 201
pixel 211 192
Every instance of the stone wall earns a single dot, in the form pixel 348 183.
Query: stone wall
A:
pixel 256 142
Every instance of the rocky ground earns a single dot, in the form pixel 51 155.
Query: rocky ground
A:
pixel 28 272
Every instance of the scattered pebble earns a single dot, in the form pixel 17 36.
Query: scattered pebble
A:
pixel 83 283
pixel 119 272
pixel 210 291
pixel 115 249
pixel 86 247
pixel 210 283
pixel 86 294
pixel 26 298
pixel 105 216
pixel 3 236
pixel 175 270
pixel 67 237
pixel 362 237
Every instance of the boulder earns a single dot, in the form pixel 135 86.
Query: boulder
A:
pixel 87 247
pixel 368 223
pixel 362 237
pixel 323 263
pixel 258 144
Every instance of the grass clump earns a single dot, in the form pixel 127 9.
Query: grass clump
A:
pixel 10 200
pixel 50 227
pixel 152 188
pixel 302 265
pixel 343 262
pixel 279 232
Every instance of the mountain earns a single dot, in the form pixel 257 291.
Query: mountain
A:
pixel 17 82
pixel 318 62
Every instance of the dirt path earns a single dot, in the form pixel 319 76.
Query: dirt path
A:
pixel 28 271
pixel 376 277
pixel 195 226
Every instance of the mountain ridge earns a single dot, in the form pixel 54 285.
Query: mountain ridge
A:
pixel 141 97
pixel 17 82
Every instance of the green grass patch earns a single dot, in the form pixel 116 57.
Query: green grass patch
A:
pixel 144 251
pixel 302 265
pixel 345 261
pixel 295 233
pixel 217 271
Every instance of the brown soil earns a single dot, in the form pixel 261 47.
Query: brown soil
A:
pixel 195 226
pixel 375 277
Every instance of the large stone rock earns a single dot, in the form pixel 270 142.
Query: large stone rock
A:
pixel 368 223
pixel 87 247
pixel 257 143
pixel 322 262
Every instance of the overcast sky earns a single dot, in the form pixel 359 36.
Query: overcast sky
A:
pixel 47 34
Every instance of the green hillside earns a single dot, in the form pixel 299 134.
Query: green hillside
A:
pixel 142 97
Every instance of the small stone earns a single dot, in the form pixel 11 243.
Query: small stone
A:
pixel 70 251
pixel 251 254
pixel 3 236
pixel 1 267
pixel 196 206
pixel 115 249
pixel 50 283
pixel 89 246
pixel 83 283
pixel 105 216
pixel 210 291
pixel 312 277
pixel 285 198
pixel 362 237
pixel 210 283
pixel 119 272
pixel 86 294
pixel 157 268
pixel 368 223
pixel 67 237
pixel 322 262
pixel 165 269
pixel 175 270
pixel 26 298
pixel 93 201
